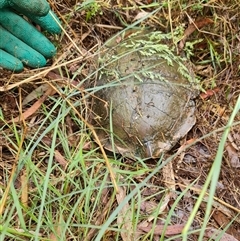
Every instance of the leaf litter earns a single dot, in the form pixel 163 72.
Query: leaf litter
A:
pixel 213 34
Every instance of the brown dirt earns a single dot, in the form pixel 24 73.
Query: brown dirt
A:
pixel 216 61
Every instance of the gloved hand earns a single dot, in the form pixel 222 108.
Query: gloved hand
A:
pixel 20 42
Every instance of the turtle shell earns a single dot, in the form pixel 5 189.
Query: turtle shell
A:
pixel 145 94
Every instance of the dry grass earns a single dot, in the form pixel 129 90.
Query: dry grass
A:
pixel 54 153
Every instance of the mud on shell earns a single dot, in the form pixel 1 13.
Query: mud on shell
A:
pixel 145 103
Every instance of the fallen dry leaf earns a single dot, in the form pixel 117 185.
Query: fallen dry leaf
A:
pixel 169 177
pixel 164 204
pixel 233 156
pixel 49 91
pixel 140 15
pixel 192 27
pixel 60 159
pixel 124 217
pixel 35 94
pixel 30 111
pixel 209 93
pixel 183 146
pixel 222 220
pixel 214 233
pixel 234 139
pixel 148 206
pixel 158 229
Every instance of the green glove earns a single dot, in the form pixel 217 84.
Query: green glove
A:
pixel 39 8
pixel 20 42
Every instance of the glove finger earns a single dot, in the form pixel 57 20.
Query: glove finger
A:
pixel 3 3
pixel 34 7
pixel 26 32
pixel 47 22
pixel 7 61
pixel 20 50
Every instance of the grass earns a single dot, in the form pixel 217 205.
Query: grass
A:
pixel 57 183
pixel 63 203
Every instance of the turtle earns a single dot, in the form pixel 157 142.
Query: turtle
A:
pixel 145 95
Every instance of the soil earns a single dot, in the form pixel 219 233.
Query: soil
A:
pixel 211 32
